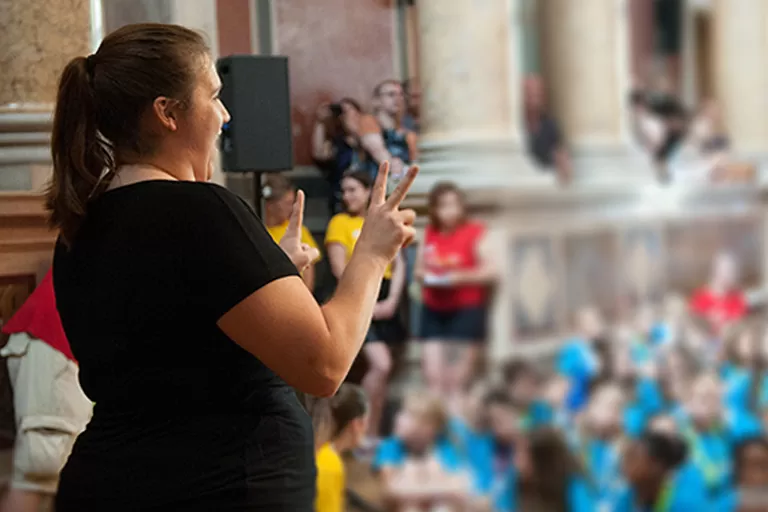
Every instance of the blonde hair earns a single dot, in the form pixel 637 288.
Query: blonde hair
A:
pixel 428 406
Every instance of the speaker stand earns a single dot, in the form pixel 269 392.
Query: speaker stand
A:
pixel 258 196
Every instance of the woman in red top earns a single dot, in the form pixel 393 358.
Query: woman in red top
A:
pixel 455 271
pixel 721 303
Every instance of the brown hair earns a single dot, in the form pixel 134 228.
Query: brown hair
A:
pixel 437 192
pixel 276 186
pixel 553 466
pixel 99 109
pixel 430 407
pixel 349 403
pixel 362 177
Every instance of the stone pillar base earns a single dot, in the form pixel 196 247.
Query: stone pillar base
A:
pixel 25 154
pixel 612 165
pixel 477 164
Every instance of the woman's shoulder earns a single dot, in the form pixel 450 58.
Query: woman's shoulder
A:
pixel 187 196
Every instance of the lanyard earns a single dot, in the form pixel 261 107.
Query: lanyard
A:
pixel 664 502
pixel 712 470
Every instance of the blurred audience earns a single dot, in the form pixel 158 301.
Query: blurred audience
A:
pixel 387 328
pixel 545 140
pixel 336 145
pixel 412 117
pixel 382 134
pixel 279 197
pixel 454 268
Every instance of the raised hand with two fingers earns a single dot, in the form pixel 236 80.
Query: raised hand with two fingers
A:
pixel 387 228
pixel 301 254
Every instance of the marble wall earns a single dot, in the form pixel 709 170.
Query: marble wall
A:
pixel 37 39
pixel 233 18
pixel 337 48
pixel 124 12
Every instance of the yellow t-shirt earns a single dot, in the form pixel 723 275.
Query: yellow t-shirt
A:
pixel 277 233
pixel 331 484
pixel 344 229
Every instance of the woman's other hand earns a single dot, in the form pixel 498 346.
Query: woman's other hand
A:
pixel 301 254
pixel 387 228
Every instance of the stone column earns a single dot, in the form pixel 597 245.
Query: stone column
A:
pixel 741 77
pixel 37 39
pixel 586 56
pixel 471 81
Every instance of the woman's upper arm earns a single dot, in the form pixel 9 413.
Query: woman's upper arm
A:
pixel 283 326
pixel 240 279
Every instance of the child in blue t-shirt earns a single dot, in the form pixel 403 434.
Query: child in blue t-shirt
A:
pixel 418 466
pixel 599 445
pixel 650 466
pixel 750 475
pixel 708 442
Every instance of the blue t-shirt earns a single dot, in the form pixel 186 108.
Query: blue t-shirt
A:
pixel 577 361
pixel 602 461
pixel 392 452
pixel 685 496
pixel 581 497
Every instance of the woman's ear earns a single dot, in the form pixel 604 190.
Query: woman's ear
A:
pixel 165 111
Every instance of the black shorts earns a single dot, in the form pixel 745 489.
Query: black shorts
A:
pixel 391 331
pixel 461 325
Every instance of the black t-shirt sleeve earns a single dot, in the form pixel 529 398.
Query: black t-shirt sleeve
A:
pixel 232 254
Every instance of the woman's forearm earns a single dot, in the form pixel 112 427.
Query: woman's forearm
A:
pixel 348 314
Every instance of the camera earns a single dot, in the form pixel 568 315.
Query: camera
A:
pixel 336 109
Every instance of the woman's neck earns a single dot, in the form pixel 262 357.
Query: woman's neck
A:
pixel 136 173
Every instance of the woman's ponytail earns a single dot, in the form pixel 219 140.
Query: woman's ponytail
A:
pixel 81 155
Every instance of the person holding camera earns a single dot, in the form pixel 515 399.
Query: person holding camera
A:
pixel 336 145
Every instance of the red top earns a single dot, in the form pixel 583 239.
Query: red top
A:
pixel 39 318
pixel 448 252
pixel 721 310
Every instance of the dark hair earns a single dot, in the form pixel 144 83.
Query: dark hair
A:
pixel 554 465
pixel 515 369
pixel 276 186
pixel 99 107
pixel 352 102
pixel 380 86
pixel 740 451
pixel 669 450
pixel 361 177
pixel 499 396
pixel 436 193
pixel 349 403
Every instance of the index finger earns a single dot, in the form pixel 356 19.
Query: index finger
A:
pixel 379 193
pixel 402 189
pixel 297 214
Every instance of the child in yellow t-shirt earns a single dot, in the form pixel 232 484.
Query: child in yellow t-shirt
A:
pixel 279 195
pixel 349 409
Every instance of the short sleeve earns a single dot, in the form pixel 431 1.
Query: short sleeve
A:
pixel 336 232
pixel 230 253
pixel 389 453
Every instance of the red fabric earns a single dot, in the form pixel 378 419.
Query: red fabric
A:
pixel 39 318
pixel 720 310
pixel 449 252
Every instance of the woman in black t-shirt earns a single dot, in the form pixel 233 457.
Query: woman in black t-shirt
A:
pixel 189 323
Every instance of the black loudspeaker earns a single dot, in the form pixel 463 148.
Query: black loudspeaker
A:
pixel 256 92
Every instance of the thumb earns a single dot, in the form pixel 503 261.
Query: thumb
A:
pixel 297 215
